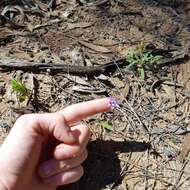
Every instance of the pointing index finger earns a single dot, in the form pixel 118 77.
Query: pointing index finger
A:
pixel 77 112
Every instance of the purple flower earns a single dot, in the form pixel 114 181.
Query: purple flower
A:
pixel 113 103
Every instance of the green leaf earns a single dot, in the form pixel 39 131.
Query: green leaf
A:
pixel 20 89
pixel 106 125
pixel 140 57
pixel 142 73
pixel 157 58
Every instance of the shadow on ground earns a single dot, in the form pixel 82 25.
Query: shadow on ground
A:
pixel 102 167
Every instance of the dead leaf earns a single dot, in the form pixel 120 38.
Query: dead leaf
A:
pixel 117 82
pixel 4 54
pixel 5 77
pixel 23 55
pixel 56 58
pixel 42 6
pixel 105 42
pixel 29 27
pixel 170 93
pixel 39 56
pixel 124 50
pixel 6 35
pixel 95 47
pixel 185 148
pixel 23 110
pixel 88 62
pixel 78 80
pixel 102 77
pixel 88 89
pixel 77 56
pixel 125 90
pixel 134 30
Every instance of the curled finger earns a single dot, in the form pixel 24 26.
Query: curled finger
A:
pixel 53 167
pixel 65 151
pixel 64 178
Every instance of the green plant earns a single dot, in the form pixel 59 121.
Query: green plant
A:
pixel 174 140
pixel 139 57
pixel 106 125
pixel 21 90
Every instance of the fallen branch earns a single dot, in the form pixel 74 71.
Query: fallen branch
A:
pixel 73 69
pixel 79 70
pixel 175 59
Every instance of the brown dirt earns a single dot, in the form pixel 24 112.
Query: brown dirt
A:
pixel 127 157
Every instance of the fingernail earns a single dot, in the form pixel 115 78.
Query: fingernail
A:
pixel 113 103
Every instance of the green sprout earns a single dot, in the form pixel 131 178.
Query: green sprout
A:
pixel 139 57
pixel 106 125
pixel 21 90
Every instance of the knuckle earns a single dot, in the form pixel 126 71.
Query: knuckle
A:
pixel 23 117
pixel 63 165
pixel 26 119
pixel 78 150
pixel 59 117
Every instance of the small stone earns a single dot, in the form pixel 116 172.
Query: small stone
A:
pixel 102 77
pixel 2 90
pixel 48 70
pixel 163 73
pixel 187 94
pixel 168 152
pixel 43 46
pixel 157 131
pixel 179 113
pixel 4 126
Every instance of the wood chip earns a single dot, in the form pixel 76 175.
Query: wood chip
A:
pixel 125 90
pixel 117 82
pixel 88 90
pixel 102 77
pixel 71 26
pixel 42 5
pixel 78 80
pixel 6 35
pixel 185 148
pixel 106 42
pixel 171 94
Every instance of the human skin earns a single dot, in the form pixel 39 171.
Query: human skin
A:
pixel 44 151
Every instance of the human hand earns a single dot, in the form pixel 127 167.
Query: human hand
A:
pixel 43 151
